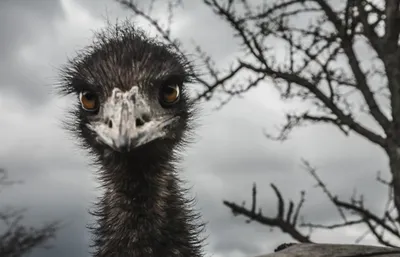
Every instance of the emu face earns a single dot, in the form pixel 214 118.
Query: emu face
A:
pixel 130 92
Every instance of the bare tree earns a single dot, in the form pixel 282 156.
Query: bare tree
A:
pixel 18 240
pixel 343 60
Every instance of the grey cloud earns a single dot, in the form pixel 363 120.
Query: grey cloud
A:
pixel 22 23
pixel 104 9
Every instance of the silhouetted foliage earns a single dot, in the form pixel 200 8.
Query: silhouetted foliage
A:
pixel 18 240
pixel 340 57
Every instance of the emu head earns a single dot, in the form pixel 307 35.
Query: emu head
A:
pixel 130 92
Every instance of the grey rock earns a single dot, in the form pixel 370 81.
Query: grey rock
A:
pixel 335 250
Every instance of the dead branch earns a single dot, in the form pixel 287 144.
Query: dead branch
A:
pixel 18 240
pixel 285 220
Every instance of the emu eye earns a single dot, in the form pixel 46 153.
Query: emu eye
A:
pixel 169 94
pixel 89 101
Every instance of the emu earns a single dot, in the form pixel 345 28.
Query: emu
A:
pixel 133 114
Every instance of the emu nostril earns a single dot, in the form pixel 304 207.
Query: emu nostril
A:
pixel 146 117
pixel 139 122
pixel 110 124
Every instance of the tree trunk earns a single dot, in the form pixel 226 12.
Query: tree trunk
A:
pixel 393 152
pixel 335 250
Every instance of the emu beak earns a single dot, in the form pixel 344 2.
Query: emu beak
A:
pixel 126 123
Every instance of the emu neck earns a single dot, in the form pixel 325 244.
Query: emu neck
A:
pixel 143 211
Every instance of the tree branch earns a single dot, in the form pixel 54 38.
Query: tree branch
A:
pixel 345 119
pixel 18 240
pixel 360 77
pixel 286 224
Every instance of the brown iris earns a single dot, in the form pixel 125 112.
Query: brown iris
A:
pixel 89 101
pixel 169 94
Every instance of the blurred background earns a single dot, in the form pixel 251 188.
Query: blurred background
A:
pixel 230 153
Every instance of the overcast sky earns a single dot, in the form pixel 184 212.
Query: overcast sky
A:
pixel 36 37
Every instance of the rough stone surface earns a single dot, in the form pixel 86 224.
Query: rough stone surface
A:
pixel 335 250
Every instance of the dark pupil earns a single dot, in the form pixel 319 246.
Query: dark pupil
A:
pixel 169 90
pixel 89 96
